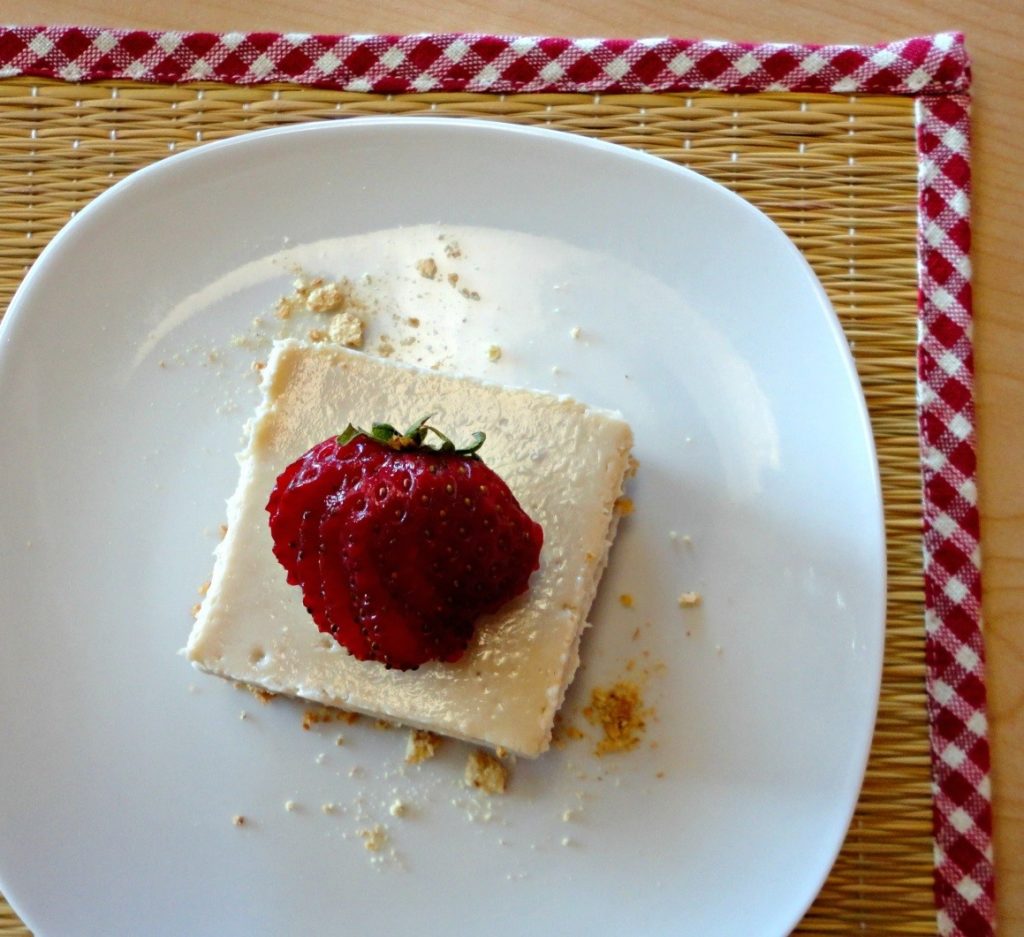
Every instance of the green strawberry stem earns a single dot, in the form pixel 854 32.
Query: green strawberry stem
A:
pixel 413 439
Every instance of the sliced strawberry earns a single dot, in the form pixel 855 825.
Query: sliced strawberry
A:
pixel 400 547
pixel 337 582
pixel 295 519
pixel 301 486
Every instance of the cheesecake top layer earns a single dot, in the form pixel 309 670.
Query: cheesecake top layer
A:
pixel 564 462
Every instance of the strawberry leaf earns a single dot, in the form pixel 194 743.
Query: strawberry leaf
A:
pixel 414 438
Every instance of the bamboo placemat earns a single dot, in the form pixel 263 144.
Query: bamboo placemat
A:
pixel 837 173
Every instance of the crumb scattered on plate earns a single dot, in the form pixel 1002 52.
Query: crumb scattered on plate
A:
pixel 346 329
pixel 619 712
pixel 375 838
pixel 421 746
pixel 486 772
pixel 264 696
pixel 325 714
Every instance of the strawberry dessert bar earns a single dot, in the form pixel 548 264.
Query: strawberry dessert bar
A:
pixel 403 574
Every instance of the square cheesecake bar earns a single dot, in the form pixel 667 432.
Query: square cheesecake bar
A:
pixel 566 464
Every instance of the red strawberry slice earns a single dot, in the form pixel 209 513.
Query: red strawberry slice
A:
pixel 295 485
pixel 400 547
pixel 295 509
pixel 335 576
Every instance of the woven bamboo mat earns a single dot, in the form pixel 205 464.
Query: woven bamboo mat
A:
pixel 837 174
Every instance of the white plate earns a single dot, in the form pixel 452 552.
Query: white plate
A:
pixel 698 319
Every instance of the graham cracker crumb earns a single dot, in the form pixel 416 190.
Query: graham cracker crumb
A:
pixel 325 714
pixel 329 297
pixel 414 322
pixel 328 808
pixel 494 353
pixel 421 746
pixel 204 588
pixel 452 249
pixel 264 696
pixel 285 307
pixel 427 268
pixel 624 506
pixel 383 725
pixel 375 838
pixel 346 329
pixel 317 335
pixel 690 600
pixel 626 600
pixel 470 294
pixel 562 734
pixel 620 713
pixel 238 820
pixel 258 365
pixel 195 609
pixel 486 773
pixel 453 279
pixel 384 347
pixel 303 285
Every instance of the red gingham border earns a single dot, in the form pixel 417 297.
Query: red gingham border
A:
pixel 934 69
pixel 473 62
pixel 964 873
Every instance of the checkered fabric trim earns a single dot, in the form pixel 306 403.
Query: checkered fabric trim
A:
pixel 964 874
pixel 468 62
pixel 935 69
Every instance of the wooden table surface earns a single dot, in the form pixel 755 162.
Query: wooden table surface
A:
pixel 995 38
